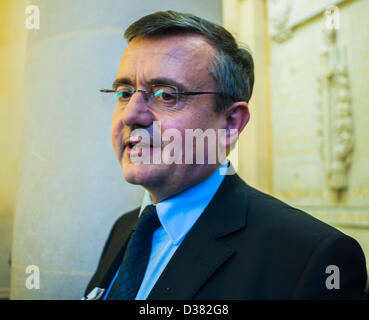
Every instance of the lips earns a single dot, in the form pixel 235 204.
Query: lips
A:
pixel 129 146
pixel 131 142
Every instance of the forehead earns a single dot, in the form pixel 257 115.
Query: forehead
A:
pixel 184 58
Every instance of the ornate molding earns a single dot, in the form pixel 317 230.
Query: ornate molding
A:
pixel 335 123
pixel 285 17
pixel 353 217
pixel 279 19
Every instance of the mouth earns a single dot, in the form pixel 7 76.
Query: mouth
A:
pixel 131 147
pixel 129 144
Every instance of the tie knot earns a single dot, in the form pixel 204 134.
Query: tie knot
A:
pixel 148 221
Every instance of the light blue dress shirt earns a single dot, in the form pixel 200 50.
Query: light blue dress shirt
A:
pixel 177 216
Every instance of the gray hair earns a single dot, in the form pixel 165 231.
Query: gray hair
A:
pixel 232 69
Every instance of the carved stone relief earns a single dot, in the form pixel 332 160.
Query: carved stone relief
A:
pixel 279 19
pixel 335 129
pixel 285 16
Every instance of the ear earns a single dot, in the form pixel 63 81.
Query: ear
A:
pixel 236 118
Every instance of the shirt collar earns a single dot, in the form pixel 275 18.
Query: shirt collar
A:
pixel 179 213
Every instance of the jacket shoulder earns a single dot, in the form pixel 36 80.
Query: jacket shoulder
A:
pixel 278 215
pixel 286 240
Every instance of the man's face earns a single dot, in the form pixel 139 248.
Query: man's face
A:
pixel 182 60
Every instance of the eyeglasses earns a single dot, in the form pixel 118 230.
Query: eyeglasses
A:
pixel 163 96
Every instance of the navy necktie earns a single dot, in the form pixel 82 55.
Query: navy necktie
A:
pixel 136 257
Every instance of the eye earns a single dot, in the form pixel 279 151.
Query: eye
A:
pixel 124 93
pixel 165 95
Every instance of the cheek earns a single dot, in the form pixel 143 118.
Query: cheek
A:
pixel 116 128
pixel 193 120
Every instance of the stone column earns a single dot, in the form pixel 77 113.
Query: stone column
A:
pixel 12 56
pixel 71 188
pixel 246 19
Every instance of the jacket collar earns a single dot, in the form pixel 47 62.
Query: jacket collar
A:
pixel 201 253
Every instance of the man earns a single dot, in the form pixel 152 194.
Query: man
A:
pixel 211 235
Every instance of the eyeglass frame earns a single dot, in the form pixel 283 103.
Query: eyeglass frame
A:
pixel 187 93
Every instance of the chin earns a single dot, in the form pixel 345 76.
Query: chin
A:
pixel 141 174
pixel 131 174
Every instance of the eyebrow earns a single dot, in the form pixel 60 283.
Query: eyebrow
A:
pixel 168 82
pixel 119 81
pixel 155 81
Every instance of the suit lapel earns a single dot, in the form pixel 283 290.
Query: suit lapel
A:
pixel 201 253
pixel 113 251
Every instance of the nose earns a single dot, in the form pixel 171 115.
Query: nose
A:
pixel 137 111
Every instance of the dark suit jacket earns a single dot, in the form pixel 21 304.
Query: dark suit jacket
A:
pixel 248 245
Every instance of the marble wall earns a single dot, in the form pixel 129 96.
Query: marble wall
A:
pixel 319 99
pixel 12 60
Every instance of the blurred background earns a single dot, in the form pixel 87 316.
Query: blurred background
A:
pixel 61 188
